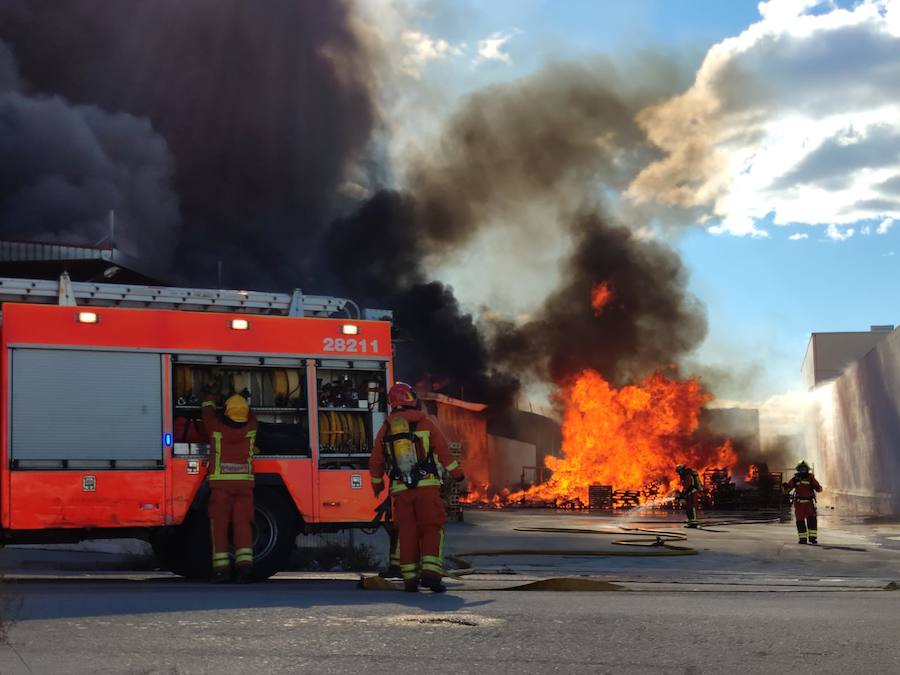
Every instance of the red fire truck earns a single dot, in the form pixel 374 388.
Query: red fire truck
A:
pixel 101 431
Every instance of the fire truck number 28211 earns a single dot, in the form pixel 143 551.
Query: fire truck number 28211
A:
pixel 102 390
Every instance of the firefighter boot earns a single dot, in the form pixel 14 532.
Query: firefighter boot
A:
pixel 411 585
pixel 813 541
pixel 392 572
pixel 220 577
pixel 243 575
pixel 433 583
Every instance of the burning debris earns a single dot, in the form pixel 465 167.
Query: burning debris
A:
pixel 630 438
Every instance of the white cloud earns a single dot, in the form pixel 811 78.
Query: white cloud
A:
pixel 798 117
pixel 837 234
pixel 422 48
pixel 491 47
pixel 798 237
pixel 885 226
pixel 865 230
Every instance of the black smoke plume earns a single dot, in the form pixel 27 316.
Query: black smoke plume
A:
pixel 558 137
pixel 376 255
pixel 262 105
pixel 649 322
pixel 65 166
pixel 253 112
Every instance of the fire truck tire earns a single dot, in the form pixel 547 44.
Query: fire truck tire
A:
pixel 274 533
pixel 187 549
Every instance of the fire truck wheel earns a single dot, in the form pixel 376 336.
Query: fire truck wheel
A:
pixel 186 549
pixel 274 533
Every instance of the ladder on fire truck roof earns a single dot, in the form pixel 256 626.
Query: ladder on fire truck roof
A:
pixel 67 292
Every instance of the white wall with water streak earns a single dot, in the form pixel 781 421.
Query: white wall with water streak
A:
pixel 857 433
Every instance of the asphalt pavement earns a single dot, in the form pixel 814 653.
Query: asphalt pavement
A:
pixel 750 601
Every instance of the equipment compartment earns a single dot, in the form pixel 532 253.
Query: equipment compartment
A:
pixel 277 396
pixel 351 408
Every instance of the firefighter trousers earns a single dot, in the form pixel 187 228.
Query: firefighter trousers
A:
pixel 692 506
pixel 231 508
pixel 420 518
pixel 805 515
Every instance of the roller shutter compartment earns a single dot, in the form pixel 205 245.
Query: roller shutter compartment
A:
pixel 86 405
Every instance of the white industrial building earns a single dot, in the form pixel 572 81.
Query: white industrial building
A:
pixel 854 429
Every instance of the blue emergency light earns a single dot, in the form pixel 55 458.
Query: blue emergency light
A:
pixel 167 439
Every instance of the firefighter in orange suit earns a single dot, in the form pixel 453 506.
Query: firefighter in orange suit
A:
pixel 232 439
pixel 405 449
pixel 805 486
pixel 691 491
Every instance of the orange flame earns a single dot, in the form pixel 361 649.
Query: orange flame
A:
pixel 601 296
pixel 629 438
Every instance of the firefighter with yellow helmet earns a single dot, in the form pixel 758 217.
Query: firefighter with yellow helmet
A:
pixel 232 440
pixel 407 449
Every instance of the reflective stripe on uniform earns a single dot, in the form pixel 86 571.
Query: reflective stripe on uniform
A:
pixel 813 533
pixel 410 570
pixel 377 481
pixel 251 436
pixel 221 559
pixel 232 468
pixel 431 563
pixel 399 486
pixel 243 555
pixel 217 453
pixel 452 465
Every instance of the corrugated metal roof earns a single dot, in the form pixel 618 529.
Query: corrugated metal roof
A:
pixel 45 257
pixel 32 251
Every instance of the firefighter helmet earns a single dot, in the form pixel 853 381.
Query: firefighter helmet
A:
pixel 401 395
pixel 237 409
pixel 679 468
pixel 803 467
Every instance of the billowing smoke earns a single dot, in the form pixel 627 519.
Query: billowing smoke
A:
pixel 65 166
pixel 376 256
pixel 557 138
pixel 649 321
pixel 263 105
pixel 256 114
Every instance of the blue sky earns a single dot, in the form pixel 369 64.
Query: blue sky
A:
pixel 806 144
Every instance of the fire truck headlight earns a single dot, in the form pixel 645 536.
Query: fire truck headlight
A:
pixel 88 317
pixel 240 324
pixel 349 329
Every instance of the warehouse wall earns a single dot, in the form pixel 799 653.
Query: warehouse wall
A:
pixel 507 458
pixel 857 433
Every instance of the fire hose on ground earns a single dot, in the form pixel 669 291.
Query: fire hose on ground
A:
pixel 655 543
